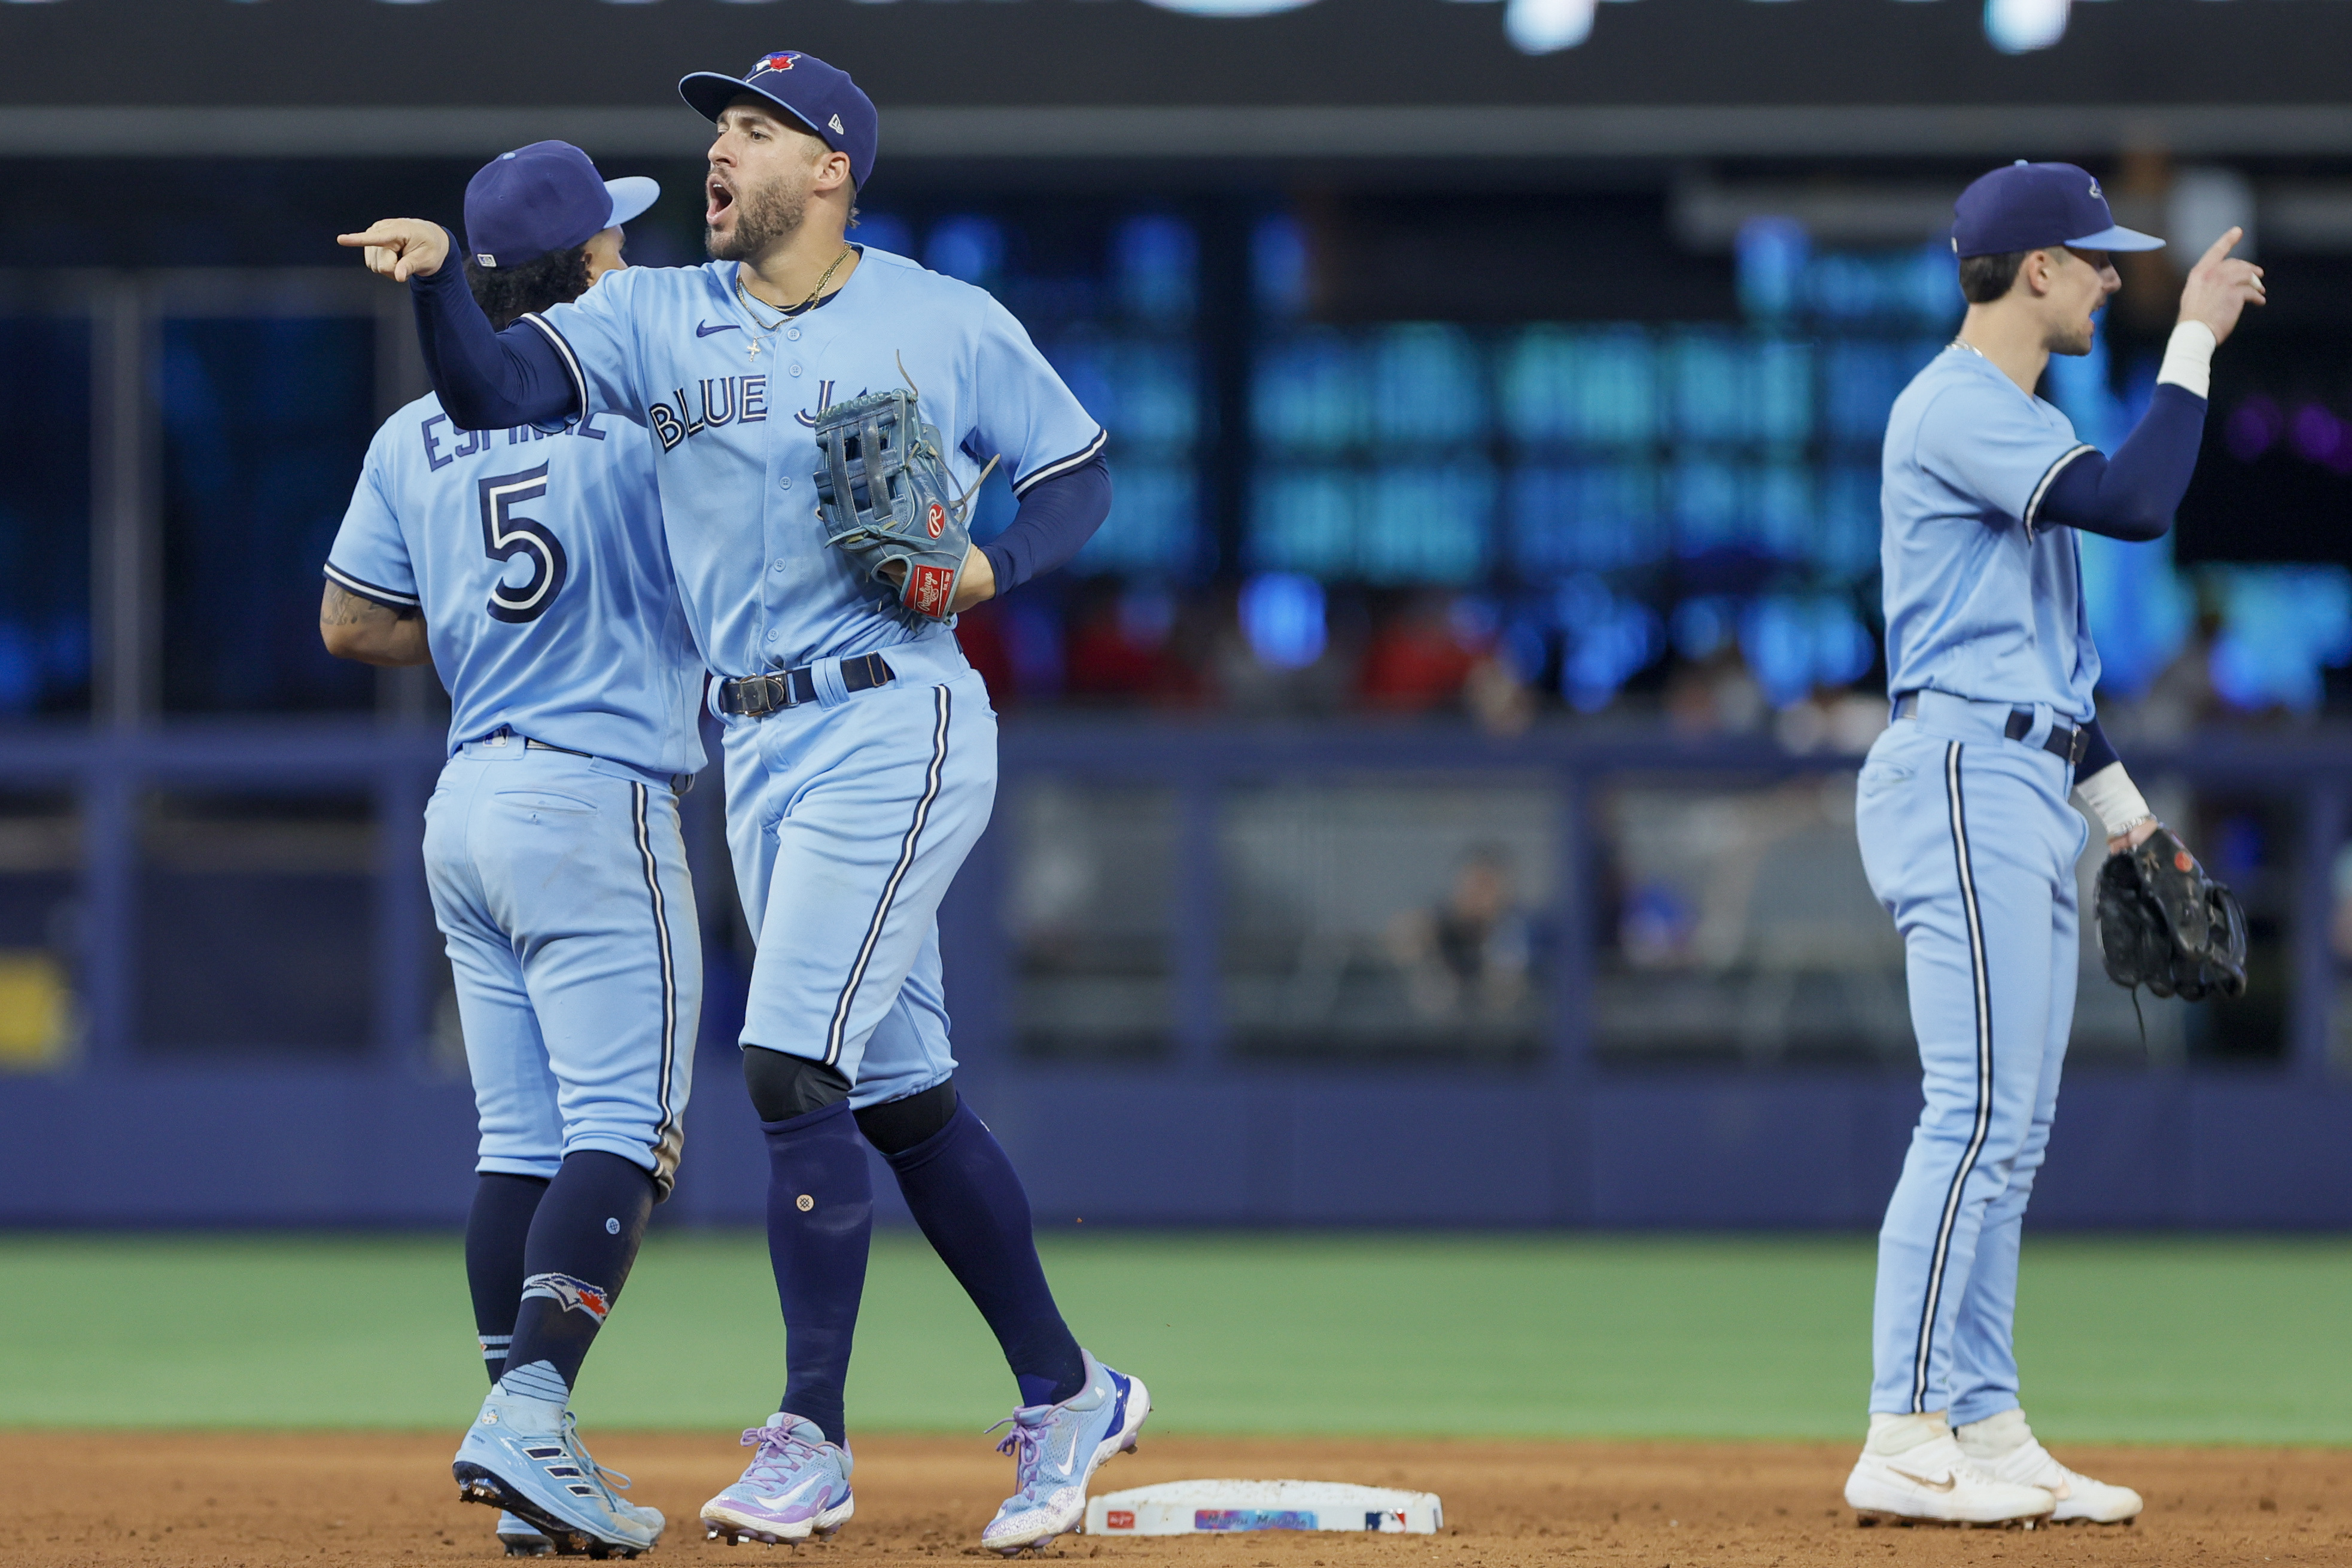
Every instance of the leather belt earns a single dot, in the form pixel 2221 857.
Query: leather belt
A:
pixel 756 697
pixel 2065 742
pixel 543 745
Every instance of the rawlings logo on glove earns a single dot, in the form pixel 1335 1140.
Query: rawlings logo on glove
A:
pixel 884 495
pixel 2164 924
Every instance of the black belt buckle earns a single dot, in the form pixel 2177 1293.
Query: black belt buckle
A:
pixel 791 688
pixel 2065 742
pixel 756 697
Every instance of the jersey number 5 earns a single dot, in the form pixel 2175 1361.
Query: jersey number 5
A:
pixel 505 536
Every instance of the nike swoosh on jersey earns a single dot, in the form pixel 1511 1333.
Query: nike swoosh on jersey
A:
pixel 704 328
pixel 1944 1485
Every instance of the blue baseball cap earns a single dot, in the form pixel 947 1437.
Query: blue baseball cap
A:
pixel 546 197
pixel 2033 207
pixel 833 107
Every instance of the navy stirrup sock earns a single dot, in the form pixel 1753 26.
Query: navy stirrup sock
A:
pixel 820 1224
pixel 496 1231
pixel 970 1202
pixel 582 1240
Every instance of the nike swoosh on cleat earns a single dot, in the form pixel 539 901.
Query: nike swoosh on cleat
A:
pixel 704 328
pixel 1944 1485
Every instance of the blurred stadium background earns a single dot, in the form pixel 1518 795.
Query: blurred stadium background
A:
pixel 1427 802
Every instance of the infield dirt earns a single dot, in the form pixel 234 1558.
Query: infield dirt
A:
pixel 243 1500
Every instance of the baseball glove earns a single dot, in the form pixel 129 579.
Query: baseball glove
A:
pixel 884 495
pixel 2164 924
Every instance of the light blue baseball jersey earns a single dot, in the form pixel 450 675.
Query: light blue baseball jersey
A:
pixel 729 394
pixel 538 564
pixel 1983 600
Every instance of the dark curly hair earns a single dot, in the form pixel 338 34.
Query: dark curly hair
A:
pixel 506 292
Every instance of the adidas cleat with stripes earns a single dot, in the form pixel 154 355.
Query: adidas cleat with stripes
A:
pixel 523 1456
pixel 1057 1449
pixel 521 1538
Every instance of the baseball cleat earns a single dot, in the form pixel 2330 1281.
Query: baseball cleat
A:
pixel 524 1456
pixel 796 1485
pixel 1935 1483
pixel 2080 1499
pixel 1057 1449
pixel 521 1538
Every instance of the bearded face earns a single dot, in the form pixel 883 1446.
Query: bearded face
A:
pixel 749 215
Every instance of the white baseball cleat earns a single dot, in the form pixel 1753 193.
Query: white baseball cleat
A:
pixel 2006 1448
pixel 1935 1483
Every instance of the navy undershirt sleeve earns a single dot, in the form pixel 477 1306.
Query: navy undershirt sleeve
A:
pixel 488 379
pixel 2097 752
pixel 1057 517
pixel 2132 496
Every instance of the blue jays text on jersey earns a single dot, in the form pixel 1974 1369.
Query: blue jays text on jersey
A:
pixel 538 564
pixel 728 393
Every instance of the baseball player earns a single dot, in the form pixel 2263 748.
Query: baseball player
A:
pixel 1963 813
pixel 529 566
pixel 860 746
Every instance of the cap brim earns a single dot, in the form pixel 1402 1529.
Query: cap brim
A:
pixel 2118 238
pixel 708 93
pixel 632 195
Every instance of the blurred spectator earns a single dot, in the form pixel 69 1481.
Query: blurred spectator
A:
pixel 1499 700
pixel 1716 695
pixel 1282 648
pixel 980 630
pixel 1421 654
pixel 1122 647
pixel 1832 720
pixel 1470 953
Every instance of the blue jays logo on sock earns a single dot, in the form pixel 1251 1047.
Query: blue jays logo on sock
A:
pixel 572 1295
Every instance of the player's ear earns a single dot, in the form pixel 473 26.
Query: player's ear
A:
pixel 2040 270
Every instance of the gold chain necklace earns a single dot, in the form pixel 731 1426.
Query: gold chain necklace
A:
pixel 771 325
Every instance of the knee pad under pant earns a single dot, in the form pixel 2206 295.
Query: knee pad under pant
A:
pixel 783 1087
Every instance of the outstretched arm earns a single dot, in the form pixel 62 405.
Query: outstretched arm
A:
pixel 488 379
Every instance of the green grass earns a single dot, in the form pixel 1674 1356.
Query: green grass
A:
pixel 2153 1340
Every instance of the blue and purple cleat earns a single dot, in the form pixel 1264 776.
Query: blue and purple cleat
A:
pixel 1055 1449
pixel 796 1485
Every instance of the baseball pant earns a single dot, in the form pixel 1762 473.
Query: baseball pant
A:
pixel 847 818
pixel 1969 841
pixel 561 885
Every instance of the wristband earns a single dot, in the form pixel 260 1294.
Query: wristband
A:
pixel 2189 358
pixel 2114 798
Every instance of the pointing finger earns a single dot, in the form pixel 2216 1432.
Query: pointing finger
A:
pixel 2221 248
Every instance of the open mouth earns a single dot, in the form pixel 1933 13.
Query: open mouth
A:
pixel 718 199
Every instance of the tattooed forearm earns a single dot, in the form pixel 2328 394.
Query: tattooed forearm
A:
pixel 372 633
pixel 341 607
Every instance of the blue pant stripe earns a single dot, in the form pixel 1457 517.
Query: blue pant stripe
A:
pixel 832 1038
pixel 638 801
pixel 1956 802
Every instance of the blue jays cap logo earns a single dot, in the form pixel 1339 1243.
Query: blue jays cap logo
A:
pixel 781 60
pixel 2096 192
